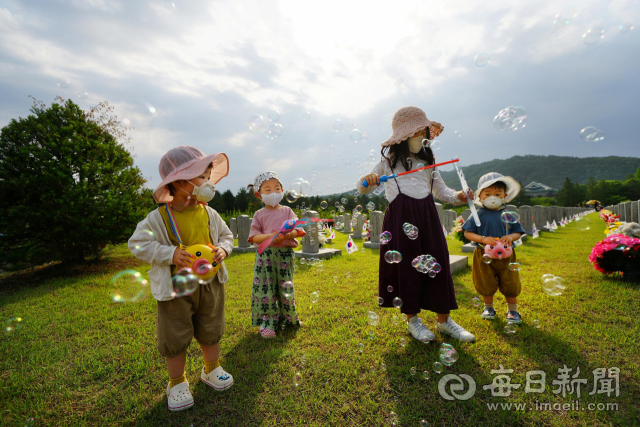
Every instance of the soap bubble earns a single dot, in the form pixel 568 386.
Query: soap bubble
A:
pixel 297 379
pixel 364 137
pixel 301 186
pixel 509 329
pixel 333 213
pixel 593 36
pixel 410 230
pixel 425 375
pixel 486 259
pixel 553 286
pixel 344 200
pixel 169 5
pixel 128 286
pixel 448 354
pixel 385 237
pixel 511 118
pixel 291 196
pixel 393 418
pixel 306 115
pixel 626 27
pixel 432 274
pixel 82 94
pixel 508 217
pixel 371 335
pixel 414 181
pixel 274 115
pixel 256 122
pixel 397 302
pixel 591 134
pixel 412 371
pixel 482 59
pixel 475 301
pixel 564 18
pixel 287 286
pixel 389 288
pixel 358 209
pixel 435 174
pixel 380 300
pixel 13 324
pixel 403 342
pixel 393 257
pixel 355 135
pixel 274 131
pixel 324 204
pixel 453 60
pixel 371 206
pixel 29 422
pixel 337 125
pixel 536 323
pixel 457 133
pixel 437 367
pixel 63 84
pixel 398 81
pixel 434 145
pixel 373 318
pixel 341 209
pixel 514 266
pixel 360 348
pixel 184 283
pixel 314 297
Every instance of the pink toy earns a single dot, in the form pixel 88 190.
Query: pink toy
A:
pixel 499 251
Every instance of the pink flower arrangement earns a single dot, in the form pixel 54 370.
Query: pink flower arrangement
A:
pixel 616 253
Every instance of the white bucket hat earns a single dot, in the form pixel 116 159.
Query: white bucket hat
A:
pixel 487 180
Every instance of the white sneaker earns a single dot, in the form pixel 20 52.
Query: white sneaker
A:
pixel 219 379
pixel 179 397
pixel 452 328
pixel 418 330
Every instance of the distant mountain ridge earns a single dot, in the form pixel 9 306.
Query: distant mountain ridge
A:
pixel 548 170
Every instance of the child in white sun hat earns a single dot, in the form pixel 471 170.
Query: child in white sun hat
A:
pixel 495 266
pixel 184 219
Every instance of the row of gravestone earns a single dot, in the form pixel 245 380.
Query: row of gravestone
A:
pixel 628 211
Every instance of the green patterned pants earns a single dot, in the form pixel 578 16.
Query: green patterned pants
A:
pixel 272 301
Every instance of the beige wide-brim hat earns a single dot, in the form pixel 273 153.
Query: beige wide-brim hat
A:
pixel 487 180
pixel 408 121
pixel 187 163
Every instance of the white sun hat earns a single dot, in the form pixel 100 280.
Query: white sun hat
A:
pixel 487 180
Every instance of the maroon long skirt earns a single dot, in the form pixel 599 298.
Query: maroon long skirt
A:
pixel 416 290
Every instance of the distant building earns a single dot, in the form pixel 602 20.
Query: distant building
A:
pixel 536 189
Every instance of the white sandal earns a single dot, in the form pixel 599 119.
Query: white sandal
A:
pixel 179 397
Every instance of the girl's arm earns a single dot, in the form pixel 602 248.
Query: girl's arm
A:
pixel 444 193
pixel 259 238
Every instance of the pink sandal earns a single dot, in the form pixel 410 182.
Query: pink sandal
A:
pixel 267 333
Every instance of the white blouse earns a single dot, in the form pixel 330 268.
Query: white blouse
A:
pixel 416 185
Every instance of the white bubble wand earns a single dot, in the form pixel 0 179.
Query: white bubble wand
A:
pixel 469 194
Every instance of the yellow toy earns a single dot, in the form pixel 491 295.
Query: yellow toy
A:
pixel 204 266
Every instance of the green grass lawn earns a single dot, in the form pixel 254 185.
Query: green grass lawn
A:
pixel 81 359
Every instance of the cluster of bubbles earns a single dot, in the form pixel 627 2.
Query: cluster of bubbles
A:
pixel 410 230
pixel 448 354
pixel 510 118
pixel 426 264
pixel 385 237
pixel 274 130
pixel 128 286
pixel 433 144
pixel 591 134
pixel 393 257
pixel 184 283
pixel 553 285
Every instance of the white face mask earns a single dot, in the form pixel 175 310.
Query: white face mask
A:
pixel 272 199
pixel 415 144
pixel 492 202
pixel 204 193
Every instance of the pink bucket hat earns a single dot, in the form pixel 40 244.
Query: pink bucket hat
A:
pixel 408 121
pixel 187 163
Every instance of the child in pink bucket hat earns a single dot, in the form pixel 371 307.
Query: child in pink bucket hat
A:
pixel 184 219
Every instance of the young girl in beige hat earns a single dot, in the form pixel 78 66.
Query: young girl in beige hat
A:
pixel 411 200
pixel 188 179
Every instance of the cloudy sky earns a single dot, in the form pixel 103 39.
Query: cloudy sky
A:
pixel 191 72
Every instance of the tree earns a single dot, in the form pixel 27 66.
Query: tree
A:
pixel 229 201
pixel 68 183
pixel 571 194
pixel 242 199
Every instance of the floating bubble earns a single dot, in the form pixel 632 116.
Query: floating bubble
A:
pixel 184 282
pixel 385 237
pixel 360 348
pixel 255 122
pixel 13 324
pixel 508 217
pixel 82 94
pixel 475 301
pixel 425 375
pixel 453 60
pixel 274 131
pixel 511 118
pixel 393 257
pixel 536 323
pixel 626 27
pixel 373 318
pixel 434 144
pixel 63 84
pixel 347 274
pixel 333 212
pixel 128 286
pixel 591 134
pixel 398 81
pixel 410 230
pixel 355 135
pixel 437 367
pixel 344 200
pixel 341 209
pixel 393 418
pixel 152 109
pixel 435 175
pixel 126 122
pixel 424 423
pixel 509 329
pixel 364 137
pixel 431 274
pixel 564 18
pixel 593 36
pixel 414 181
pixel 274 116
pixel 412 371
pixel 169 5
pixel 403 342
pixel 297 379
pixel 306 115
pixel 324 204
pixel 380 300
pixel 514 266
pixel 482 59
pixel 389 288
pixel 358 209
pixel 553 286
pixel 397 302
pixel 314 297
pixel 486 259
pixel 291 196
pixel 301 186
pixel 371 206
pixel 29 422
pixel 371 335
pixel 383 367
pixel 287 286
pixel 337 125
pixel 457 133
pixel 448 354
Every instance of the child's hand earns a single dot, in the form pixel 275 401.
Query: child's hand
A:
pixel 506 239
pixel 182 258
pixel 491 241
pixel 372 179
pixel 279 239
pixel 221 254
pixel 463 197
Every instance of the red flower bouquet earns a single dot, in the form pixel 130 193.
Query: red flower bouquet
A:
pixel 617 253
